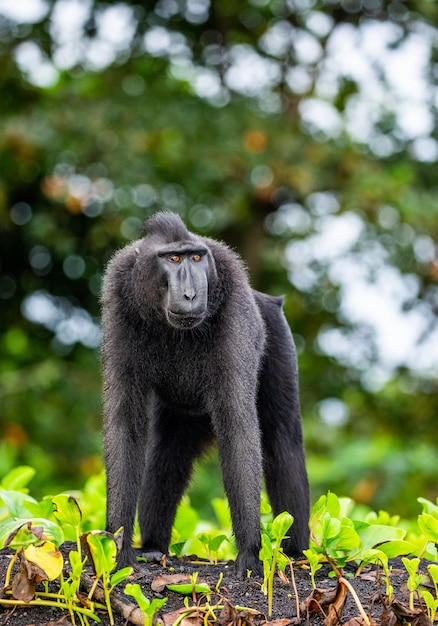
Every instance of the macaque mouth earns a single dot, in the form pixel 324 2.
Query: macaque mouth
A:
pixel 183 320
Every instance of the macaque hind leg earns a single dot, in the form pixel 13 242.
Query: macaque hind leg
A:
pixel 283 451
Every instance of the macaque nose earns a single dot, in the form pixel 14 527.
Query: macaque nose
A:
pixel 189 294
pixel 189 288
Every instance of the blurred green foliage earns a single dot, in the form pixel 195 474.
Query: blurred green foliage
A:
pixel 114 111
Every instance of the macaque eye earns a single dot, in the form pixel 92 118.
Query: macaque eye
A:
pixel 175 258
pixel 196 257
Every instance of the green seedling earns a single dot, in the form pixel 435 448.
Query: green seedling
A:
pixel 101 548
pixel 431 601
pixel 45 562
pixel 379 558
pixel 332 535
pixel 35 541
pixel 425 545
pixel 431 604
pixel 69 588
pixel 219 582
pixel 414 579
pixel 149 608
pixel 271 557
pixel 314 563
pixel 211 544
pixel 176 548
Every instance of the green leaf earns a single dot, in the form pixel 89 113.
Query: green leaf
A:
pixel 67 510
pixel 429 526
pixel 331 527
pixel 187 588
pixel 47 558
pixel 135 591
pixel 282 561
pixel 265 553
pixel 333 506
pixel 375 534
pixel 18 477
pixel 393 549
pixel 374 556
pixel 76 563
pixel 313 557
pixel 215 542
pixel 433 571
pixel 186 521
pixel 281 524
pixel 411 565
pixel 348 537
pixel 121 575
pixel 428 506
pixel 15 502
pixel 222 512
pixel 21 533
pixel 177 548
pixel 102 550
pixel 317 510
pixel 44 508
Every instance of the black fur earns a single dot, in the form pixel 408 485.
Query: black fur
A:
pixel 222 368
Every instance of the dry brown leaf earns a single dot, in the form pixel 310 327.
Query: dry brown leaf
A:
pixel 368 576
pixel 330 602
pixel 227 615
pixel 389 618
pixel 415 617
pixel 24 581
pixel 336 607
pixel 159 583
pixel 22 588
pixel 317 600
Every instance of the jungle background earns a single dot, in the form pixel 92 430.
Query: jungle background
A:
pixel 304 133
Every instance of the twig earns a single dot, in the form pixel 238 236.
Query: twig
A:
pixel 126 609
pixel 297 600
pixel 351 589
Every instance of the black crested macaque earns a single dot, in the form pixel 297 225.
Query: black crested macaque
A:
pixel 192 354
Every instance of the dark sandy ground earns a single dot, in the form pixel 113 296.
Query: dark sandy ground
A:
pixel 233 591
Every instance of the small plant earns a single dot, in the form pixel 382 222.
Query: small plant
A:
pixel 414 579
pixel 101 548
pixel 271 556
pixel 149 608
pixel 314 562
pixel 41 561
pixel 337 539
pixel 431 602
pixel 211 544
